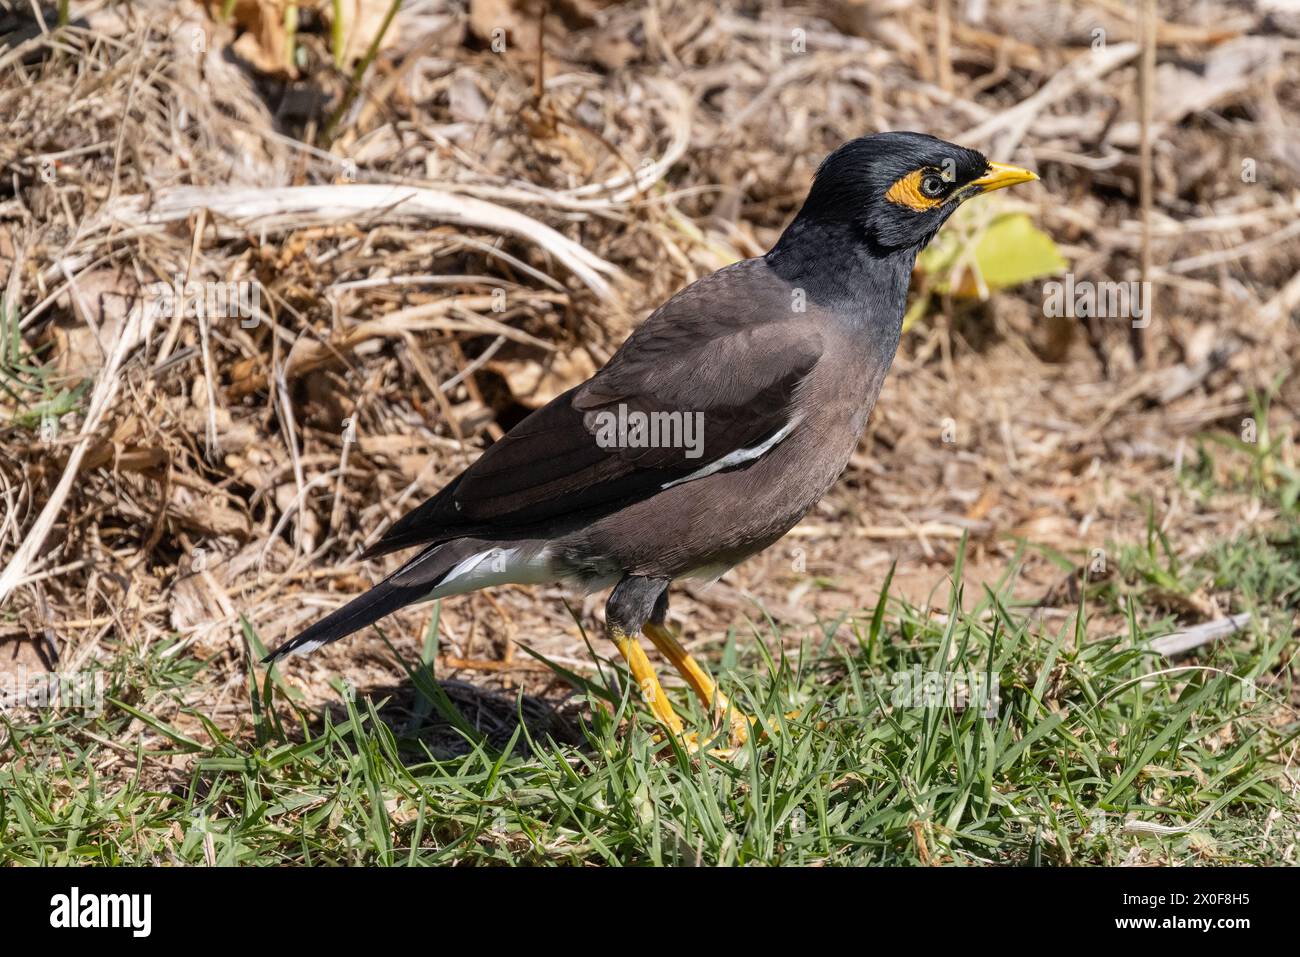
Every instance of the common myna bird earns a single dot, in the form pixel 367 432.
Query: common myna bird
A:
pixel 710 433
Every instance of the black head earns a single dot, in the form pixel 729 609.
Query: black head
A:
pixel 897 189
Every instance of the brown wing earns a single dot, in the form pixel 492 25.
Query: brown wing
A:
pixel 728 351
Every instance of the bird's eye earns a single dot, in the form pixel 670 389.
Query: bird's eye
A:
pixel 932 186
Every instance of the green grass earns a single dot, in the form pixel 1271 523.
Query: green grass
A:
pixel 29 396
pixel 1098 752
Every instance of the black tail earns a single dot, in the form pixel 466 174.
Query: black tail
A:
pixel 414 581
pixel 384 599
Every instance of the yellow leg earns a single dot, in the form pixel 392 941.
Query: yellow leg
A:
pixel 704 686
pixel 645 677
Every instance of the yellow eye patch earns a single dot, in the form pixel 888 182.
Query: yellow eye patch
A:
pixel 907 192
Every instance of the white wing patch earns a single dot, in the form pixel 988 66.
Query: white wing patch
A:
pixel 738 457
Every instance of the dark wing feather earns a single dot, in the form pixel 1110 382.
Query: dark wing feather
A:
pixel 728 347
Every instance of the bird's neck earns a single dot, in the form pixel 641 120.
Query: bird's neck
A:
pixel 840 270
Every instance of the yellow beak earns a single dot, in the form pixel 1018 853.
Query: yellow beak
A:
pixel 999 175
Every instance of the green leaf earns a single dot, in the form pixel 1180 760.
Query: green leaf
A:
pixel 1008 251
pixel 1013 250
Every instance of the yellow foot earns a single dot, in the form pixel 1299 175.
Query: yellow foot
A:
pixel 693 742
pixel 742 727
pixel 709 695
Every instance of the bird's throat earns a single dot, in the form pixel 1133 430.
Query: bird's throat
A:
pixel 838 268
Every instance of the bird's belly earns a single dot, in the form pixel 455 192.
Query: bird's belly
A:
pixel 702 528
